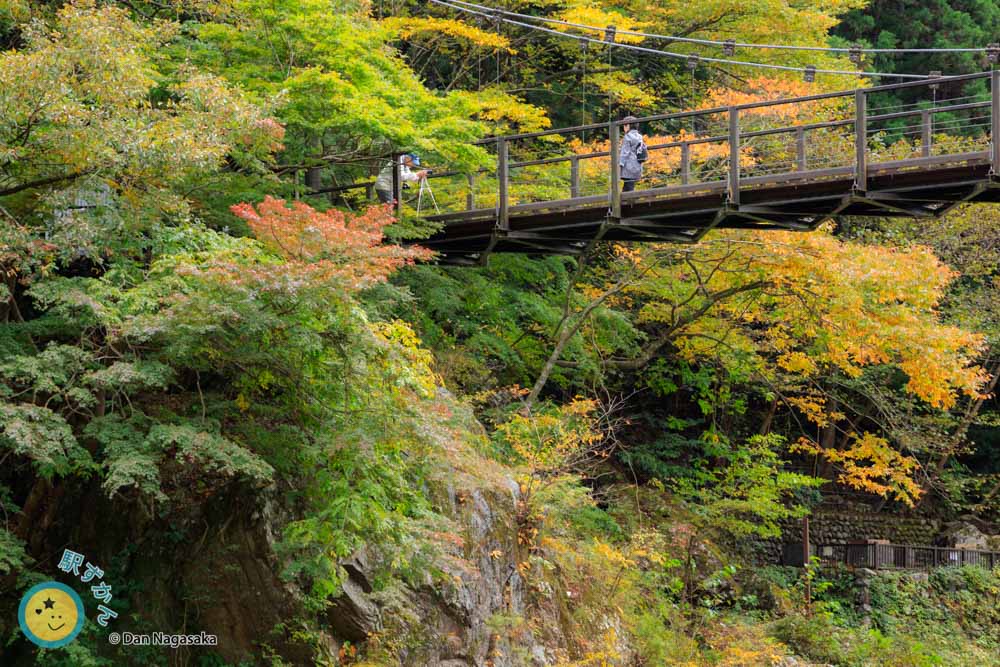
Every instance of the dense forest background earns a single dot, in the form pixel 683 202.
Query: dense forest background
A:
pixel 269 414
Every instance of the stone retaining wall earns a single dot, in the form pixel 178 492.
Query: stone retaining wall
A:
pixel 832 527
pixel 840 528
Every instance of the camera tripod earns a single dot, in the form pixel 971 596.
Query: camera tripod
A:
pixel 426 187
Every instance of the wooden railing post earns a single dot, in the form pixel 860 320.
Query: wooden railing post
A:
pixel 574 177
pixel 397 184
pixel 615 192
pixel 470 196
pixel 995 121
pixel 800 149
pixel 685 163
pixel 925 133
pixel 503 177
pixel 734 156
pixel 860 141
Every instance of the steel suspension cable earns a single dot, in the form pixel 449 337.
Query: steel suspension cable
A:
pixel 713 42
pixel 681 56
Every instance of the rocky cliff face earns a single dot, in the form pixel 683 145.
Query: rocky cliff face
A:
pixel 452 614
pixel 214 566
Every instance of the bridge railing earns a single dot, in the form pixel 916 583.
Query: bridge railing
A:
pixel 886 556
pixel 730 148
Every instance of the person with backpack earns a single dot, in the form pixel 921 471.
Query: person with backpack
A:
pixel 632 154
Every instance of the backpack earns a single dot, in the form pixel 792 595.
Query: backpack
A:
pixel 641 153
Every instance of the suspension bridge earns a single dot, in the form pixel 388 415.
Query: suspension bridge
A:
pixel 782 164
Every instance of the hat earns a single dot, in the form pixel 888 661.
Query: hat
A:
pixel 631 120
pixel 413 157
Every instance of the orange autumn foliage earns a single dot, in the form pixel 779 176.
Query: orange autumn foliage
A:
pixel 329 245
pixel 762 89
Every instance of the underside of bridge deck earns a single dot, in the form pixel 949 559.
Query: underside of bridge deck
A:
pixel 800 201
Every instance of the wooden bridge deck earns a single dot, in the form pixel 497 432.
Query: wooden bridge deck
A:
pixel 743 178
pixel 922 187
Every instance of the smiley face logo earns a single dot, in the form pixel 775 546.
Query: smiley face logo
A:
pixel 51 614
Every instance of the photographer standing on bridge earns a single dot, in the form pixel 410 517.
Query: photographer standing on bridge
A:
pixel 383 184
pixel 633 153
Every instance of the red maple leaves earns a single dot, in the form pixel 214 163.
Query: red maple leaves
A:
pixel 330 245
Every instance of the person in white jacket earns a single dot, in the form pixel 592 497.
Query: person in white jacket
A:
pixel 383 184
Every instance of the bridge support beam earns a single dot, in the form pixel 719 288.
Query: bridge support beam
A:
pixel 502 226
pixel 654 231
pixel 893 202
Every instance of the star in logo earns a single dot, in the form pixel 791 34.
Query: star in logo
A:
pixel 49 603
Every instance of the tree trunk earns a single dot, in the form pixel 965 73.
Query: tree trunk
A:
pixel 963 426
pixel 765 428
pixel 565 334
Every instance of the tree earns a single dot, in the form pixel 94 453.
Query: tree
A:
pixel 586 85
pixel 347 97
pixel 93 132
pixel 967 242
pixel 919 24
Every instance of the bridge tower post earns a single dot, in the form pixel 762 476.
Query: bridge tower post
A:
pixel 995 122
pixel 925 133
pixel 503 179
pixel 574 177
pixel 615 191
pixel 860 141
pixel 800 149
pixel 734 156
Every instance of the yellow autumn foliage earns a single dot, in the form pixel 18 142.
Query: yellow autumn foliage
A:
pixel 593 15
pixel 872 465
pixel 428 28
pixel 403 340
pixel 815 303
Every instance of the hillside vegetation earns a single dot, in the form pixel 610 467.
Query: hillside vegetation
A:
pixel 269 414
